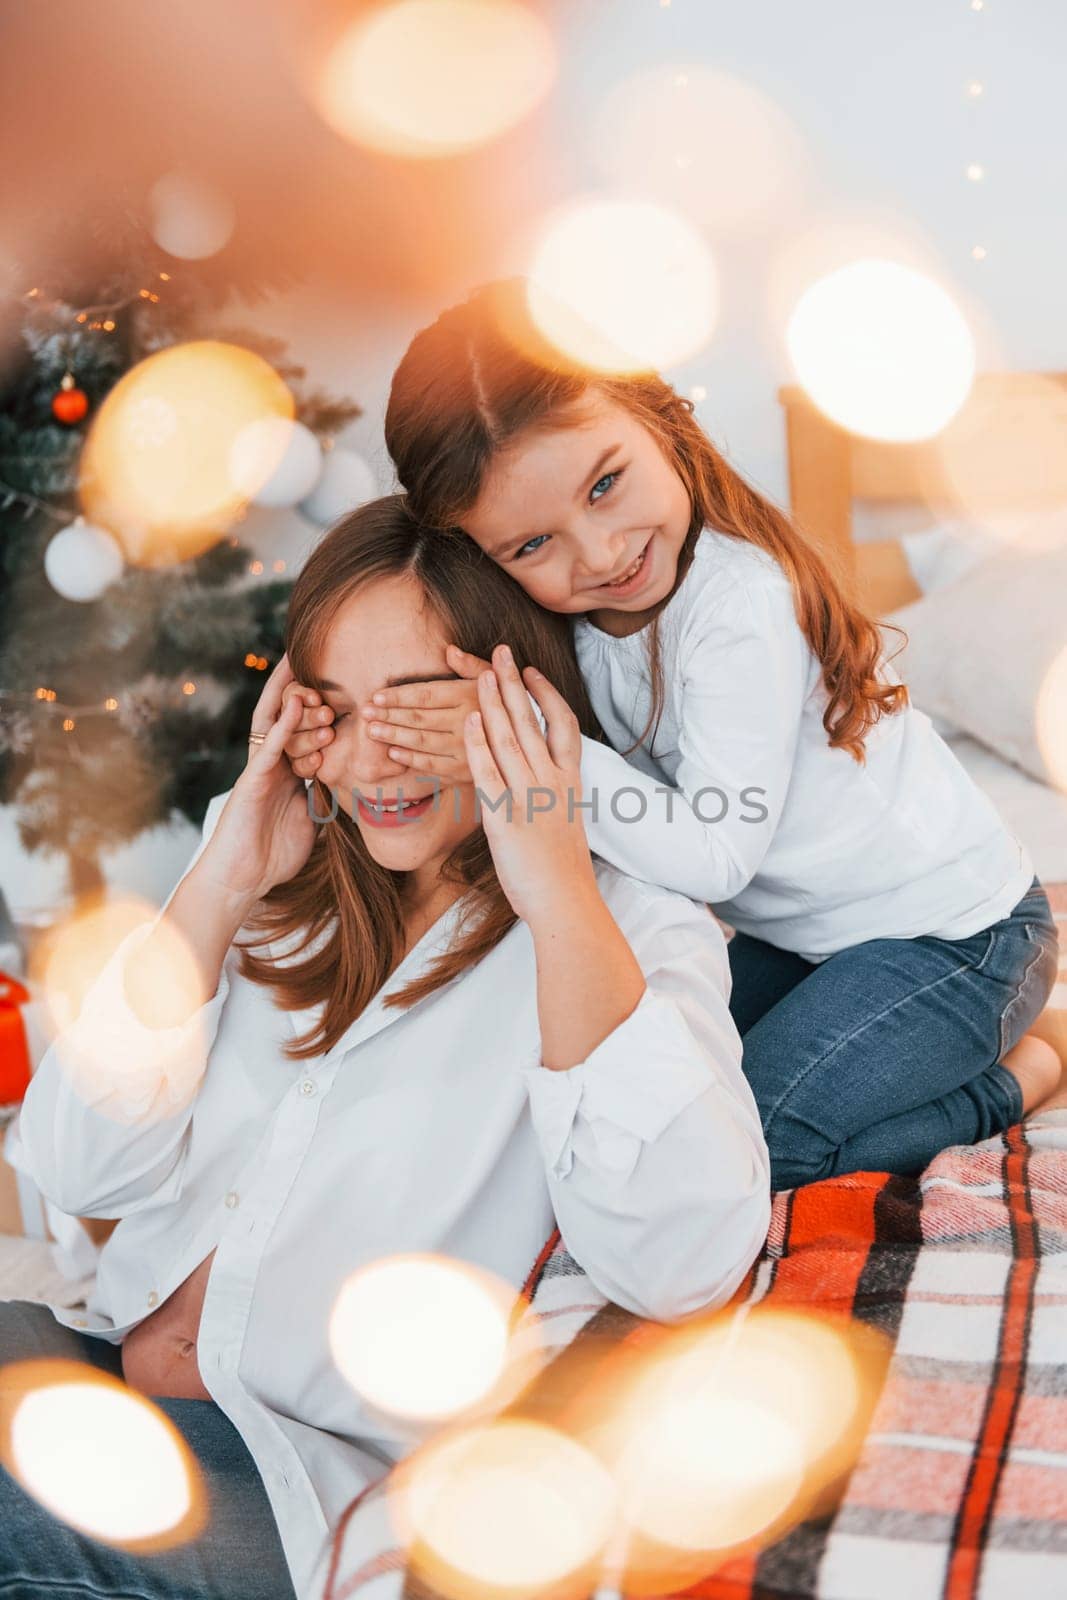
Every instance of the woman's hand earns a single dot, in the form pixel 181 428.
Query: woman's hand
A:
pixel 313 731
pixel 264 835
pixel 536 836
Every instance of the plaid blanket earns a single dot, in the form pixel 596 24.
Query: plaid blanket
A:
pixel 959 1486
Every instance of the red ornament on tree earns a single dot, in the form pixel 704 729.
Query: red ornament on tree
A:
pixel 71 403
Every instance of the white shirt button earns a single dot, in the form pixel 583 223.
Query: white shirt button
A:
pixel 307 1087
pixel 232 1198
pixel 153 1298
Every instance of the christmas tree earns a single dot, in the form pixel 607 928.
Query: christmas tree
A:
pixel 133 698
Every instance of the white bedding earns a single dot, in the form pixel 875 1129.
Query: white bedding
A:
pixel 1035 813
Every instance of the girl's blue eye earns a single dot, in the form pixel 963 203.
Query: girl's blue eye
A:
pixel 604 479
pixel 610 478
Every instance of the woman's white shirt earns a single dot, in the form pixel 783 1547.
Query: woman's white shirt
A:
pixel 745 806
pixel 432 1129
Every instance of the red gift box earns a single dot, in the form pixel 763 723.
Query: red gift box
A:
pixel 14 1050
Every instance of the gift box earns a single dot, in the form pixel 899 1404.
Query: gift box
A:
pixel 14 1044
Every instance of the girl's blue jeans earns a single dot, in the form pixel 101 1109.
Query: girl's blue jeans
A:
pixel 238 1555
pixel 886 1053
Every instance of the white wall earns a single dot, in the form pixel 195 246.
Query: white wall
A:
pixel 877 95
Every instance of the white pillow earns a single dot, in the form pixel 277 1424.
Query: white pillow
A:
pixel 941 555
pixel 980 651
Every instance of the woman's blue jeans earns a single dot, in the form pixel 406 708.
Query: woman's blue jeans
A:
pixel 886 1053
pixel 238 1555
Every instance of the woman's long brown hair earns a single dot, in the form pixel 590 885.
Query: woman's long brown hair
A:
pixel 481 375
pixel 478 605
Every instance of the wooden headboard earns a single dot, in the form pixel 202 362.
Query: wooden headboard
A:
pixel 1005 450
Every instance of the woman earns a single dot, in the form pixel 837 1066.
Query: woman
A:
pixel 555 1047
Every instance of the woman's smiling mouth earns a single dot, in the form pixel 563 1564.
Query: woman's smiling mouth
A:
pixel 393 814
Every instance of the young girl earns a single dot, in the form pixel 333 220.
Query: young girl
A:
pixel 893 944
pixel 425 1055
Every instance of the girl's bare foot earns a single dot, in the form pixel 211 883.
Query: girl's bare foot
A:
pixel 1037 1067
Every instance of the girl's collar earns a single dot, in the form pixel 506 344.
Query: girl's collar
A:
pixel 590 631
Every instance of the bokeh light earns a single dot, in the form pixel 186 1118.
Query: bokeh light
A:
pixel 708 144
pixel 275 461
pixel 710 1471
pixel 155 470
pixel 436 77
pixel 883 350
pixel 728 1431
pixel 513 1504
pixel 97 1455
pixel 189 219
pixel 163 986
pixel 421 1336
pixel 1001 464
pixel 1051 716
pixel 623 285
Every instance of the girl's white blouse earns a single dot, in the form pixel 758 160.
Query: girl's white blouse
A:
pixel 432 1129
pixel 744 805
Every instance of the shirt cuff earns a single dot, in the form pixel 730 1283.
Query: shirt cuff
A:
pixel 542 720
pixel 628 1089
pixel 125 1068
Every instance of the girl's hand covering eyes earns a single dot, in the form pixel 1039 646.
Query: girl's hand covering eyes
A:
pixel 423 723
pixel 528 784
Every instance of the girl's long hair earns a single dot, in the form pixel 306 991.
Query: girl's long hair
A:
pixel 341 883
pixel 481 375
